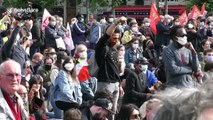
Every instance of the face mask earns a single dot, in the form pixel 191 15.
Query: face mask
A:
pixel 190 26
pixel 83 55
pixel 201 24
pixel 135 29
pixel 177 23
pixel 209 58
pixel 111 20
pixel 121 53
pixel 144 67
pixel 147 24
pixel 135 46
pixel 47 67
pixel 182 40
pixel 69 66
pixel 81 19
pixel 53 23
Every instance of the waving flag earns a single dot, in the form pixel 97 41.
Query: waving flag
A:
pixel 183 18
pixel 45 19
pixel 154 18
pixel 194 13
pixel 68 39
pixel 203 9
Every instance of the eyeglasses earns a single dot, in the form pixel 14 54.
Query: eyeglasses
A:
pixel 11 75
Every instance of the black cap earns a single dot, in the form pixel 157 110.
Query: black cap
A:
pixel 141 61
pixel 105 104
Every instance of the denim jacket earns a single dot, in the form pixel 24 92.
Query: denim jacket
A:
pixel 130 56
pixel 65 90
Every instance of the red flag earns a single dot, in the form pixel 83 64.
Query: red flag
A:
pixel 45 19
pixel 183 18
pixel 154 18
pixel 68 39
pixel 194 13
pixel 203 9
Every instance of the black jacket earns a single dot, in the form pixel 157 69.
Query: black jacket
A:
pixel 135 90
pixel 107 60
pixel 15 51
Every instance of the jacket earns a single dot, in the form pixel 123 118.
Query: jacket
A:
pixel 95 32
pixel 135 90
pixel 65 90
pixel 15 51
pixel 78 32
pixel 6 113
pixel 51 33
pixel 107 60
pixel 179 74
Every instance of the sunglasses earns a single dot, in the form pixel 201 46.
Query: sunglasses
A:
pixel 182 35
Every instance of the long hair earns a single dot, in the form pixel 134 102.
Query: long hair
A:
pixel 126 110
pixel 36 79
pixel 73 71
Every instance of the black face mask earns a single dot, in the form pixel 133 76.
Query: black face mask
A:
pixel 151 47
pixel 47 67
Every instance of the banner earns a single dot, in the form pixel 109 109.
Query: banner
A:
pixel 45 19
pixel 68 39
pixel 183 18
pixel 194 13
pixel 154 18
pixel 203 9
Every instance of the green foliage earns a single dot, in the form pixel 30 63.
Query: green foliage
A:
pixel 23 3
pixel 209 4
pixel 94 4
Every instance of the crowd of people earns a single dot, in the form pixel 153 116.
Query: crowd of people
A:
pixel 141 76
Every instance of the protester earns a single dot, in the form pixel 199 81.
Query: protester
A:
pixel 37 107
pixel 136 89
pixel 180 60
pixel 105 53
pixel 67 90
pixel 10 78
pixel 100 110
pixel 88 83
pixel 129 112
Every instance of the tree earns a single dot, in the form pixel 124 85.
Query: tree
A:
pixel 94 4
pixel 209 4
pixel 23 3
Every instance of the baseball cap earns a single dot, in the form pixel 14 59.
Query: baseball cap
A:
pixel 141 61
pixel 105 104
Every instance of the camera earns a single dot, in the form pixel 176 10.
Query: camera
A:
pixel 23 16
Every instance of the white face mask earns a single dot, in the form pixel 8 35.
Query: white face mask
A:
pixel 135 29
pixel 147 24
pixel 121 53
pixel 190 26
pixel 177 23
pixel 53 23
pixel 209 59
pixel 111 20
pixel 83 55
pixel 182 40
pixel 69 66
pixel 144 67
pixel 135 46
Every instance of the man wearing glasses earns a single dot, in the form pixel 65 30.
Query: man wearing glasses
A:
pixel 181 60
pixel 11 104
